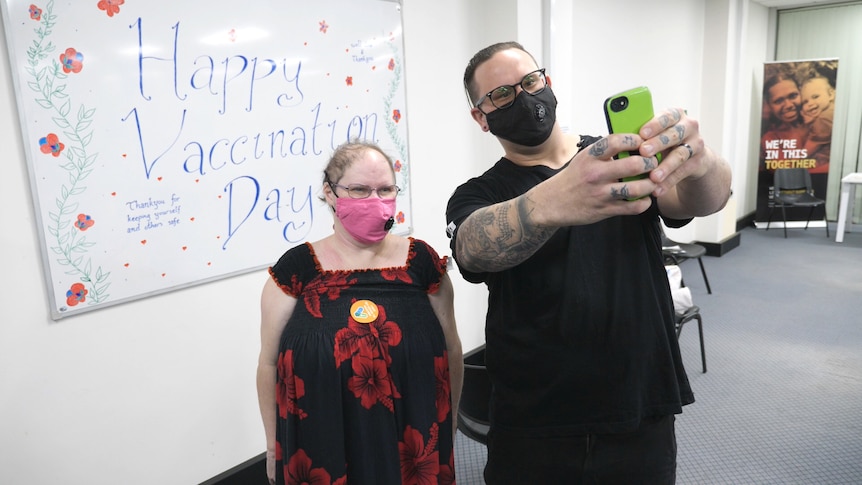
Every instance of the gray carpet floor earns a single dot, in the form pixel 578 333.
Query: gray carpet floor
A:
pixel 781 402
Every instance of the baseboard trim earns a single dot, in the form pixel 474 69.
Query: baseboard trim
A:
pixel 248 472
pixel 722 247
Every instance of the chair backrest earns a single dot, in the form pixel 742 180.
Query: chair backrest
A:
pixel 476 392
pixel 792 180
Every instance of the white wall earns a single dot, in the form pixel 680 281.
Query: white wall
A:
pixel 161 390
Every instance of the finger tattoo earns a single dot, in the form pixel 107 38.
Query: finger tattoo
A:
pixel 599 148
pixel 648 164
pixel 622 193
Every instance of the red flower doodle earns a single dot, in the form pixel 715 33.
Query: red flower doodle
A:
pixel 323 26
pixel 35 12
pixel 397 165
pixel 76 294
pixel 349 80
pixel 399 218
pixel 111 6
pixel 72 61
pixel 419 462
pixel 290 387
pixel 391 64
pixel 298 471
pixel 50 143
pixel 396 115
pixel 84 222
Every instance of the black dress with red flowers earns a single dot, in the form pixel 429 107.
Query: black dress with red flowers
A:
pixel 363 374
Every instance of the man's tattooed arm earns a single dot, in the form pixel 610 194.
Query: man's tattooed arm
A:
pixel 500 236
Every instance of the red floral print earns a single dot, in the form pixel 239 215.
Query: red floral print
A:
pixel 298 471
pixel 447 472
pixel 371 383
pixel 328 285
pixel 441 372
pixel 290 387
pixel 371 340
pixel 419 463
pixel 393 274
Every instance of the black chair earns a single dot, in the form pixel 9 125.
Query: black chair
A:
pixel 675 253
pixel 692 313
pixel 473 418
pixel 792 188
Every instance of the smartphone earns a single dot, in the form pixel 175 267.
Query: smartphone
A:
pixel 627 112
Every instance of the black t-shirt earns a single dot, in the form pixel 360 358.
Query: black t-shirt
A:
pixel 579 337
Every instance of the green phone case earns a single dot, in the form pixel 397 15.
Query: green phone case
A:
pixel 627 112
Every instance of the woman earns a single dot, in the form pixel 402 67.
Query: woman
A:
pixel 360 366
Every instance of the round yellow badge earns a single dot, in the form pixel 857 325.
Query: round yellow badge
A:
pixel 364 311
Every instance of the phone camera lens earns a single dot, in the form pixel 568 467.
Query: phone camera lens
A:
pixel 619 104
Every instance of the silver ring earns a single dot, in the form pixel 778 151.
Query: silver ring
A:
pixel 690 151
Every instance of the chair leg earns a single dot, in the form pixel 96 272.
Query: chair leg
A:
pixel 784 217
pixel 702 347
pixel 703 272
pixel 810 212
pixel 827 224
pixel 769 219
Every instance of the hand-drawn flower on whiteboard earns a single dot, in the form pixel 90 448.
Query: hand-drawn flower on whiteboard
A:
pixel 111 6
pixel 396 115
pixel 323 26
pixel 391 64
pixel 35 12
pixel 72 60
pixel 397 166
pixel 51 144
pixel 84 222
pixel 76 294
pixel 349 80
pixel 399 217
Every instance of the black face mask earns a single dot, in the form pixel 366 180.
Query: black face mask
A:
pixel 529 121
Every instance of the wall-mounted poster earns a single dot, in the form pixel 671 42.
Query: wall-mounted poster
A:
pixel 796 129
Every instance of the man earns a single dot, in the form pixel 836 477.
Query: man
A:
pixel 580 342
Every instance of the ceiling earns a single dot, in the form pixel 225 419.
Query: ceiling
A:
pixel 795 3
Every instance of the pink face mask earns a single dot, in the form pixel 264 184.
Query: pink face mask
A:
pixel 367 220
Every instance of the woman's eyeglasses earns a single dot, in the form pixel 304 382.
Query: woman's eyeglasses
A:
pixel 359 191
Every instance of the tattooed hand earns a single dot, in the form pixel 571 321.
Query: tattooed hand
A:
pixel 683 188
pixel 590 188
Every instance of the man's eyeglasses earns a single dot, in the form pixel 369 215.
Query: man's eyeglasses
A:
pixel 359 191
pixel 503 96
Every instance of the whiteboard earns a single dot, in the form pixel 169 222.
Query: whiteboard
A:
pixel 175 143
